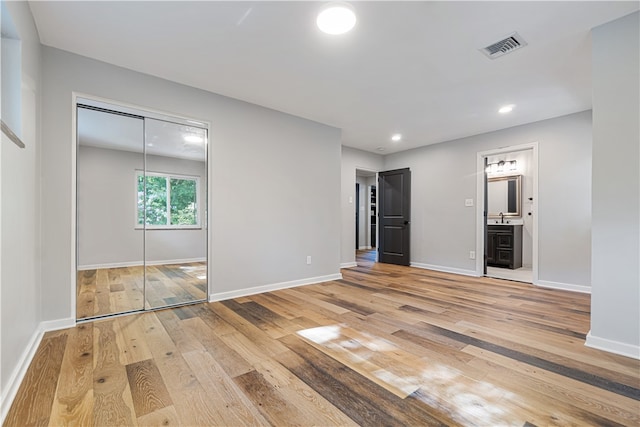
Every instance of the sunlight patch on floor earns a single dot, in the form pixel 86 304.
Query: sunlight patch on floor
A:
pixel 464 399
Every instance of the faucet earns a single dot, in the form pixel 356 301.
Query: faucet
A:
pixel 501 218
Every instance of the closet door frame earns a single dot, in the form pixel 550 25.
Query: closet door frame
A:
pixel 81 98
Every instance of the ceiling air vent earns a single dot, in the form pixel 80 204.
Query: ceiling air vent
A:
pixel 510 43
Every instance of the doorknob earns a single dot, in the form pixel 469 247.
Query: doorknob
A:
pixel 406 223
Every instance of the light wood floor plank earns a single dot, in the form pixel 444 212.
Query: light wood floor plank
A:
pixel 385 345
pixel 112 404
pixel 232 404
pixel 32 405
pixel 73 403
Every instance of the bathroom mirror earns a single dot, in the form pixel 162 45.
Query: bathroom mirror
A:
pixel 504 196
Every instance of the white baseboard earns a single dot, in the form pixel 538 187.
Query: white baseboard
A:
pixel 564 286
pixel 445 269
pixel 55 325
pixel 348 264
pixel 110 265
pixel 176 261
pixel 611 346
pixel 364 248
pixel 221 296
pixel 139 263
pixel 17 376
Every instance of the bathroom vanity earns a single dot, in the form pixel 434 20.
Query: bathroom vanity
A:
pixel 504 246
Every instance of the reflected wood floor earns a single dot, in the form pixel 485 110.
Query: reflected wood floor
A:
pixel 117 290
pixel 387 345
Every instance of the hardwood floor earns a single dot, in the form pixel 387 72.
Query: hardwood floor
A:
pixel 117 290
pixel 387 345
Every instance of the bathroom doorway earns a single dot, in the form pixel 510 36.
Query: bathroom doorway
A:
pixel 507 221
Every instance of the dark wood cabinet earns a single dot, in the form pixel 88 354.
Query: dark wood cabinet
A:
pixel 504 246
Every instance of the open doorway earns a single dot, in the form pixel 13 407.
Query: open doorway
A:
pixel 366 211
pixel 507 224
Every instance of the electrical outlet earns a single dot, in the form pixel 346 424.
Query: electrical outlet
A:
pixel 472 254
pixel 468 202
pixel 308 259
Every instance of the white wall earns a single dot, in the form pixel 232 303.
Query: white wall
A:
pixel 107 211
pixel 274 188
pixel 615 301
pixel 444 175
pixel 20 210
pixel 352 159
pixel 11 81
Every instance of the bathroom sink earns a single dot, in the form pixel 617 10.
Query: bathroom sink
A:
pixel 518 221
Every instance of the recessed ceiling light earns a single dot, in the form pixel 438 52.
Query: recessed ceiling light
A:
pixel 195 139
pixel 506 109
pixel 396 137
pixel 336 18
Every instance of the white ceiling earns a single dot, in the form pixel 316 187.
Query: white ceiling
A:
pixel 408 67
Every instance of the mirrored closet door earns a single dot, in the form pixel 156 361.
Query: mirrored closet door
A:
pixel 141 211
pixel 175 232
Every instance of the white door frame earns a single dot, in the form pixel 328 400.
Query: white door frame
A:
pixel 480 219
pixel 369 199
pixel 151 113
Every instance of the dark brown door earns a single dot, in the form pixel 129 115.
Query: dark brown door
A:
pixel 394 201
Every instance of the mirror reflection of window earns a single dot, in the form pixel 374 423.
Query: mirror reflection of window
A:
pixel 173 195
pixel 171 200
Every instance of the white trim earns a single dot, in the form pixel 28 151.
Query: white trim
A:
pixel 151 113
pixel 220 296
pixel 56 325
pixel 364 248
pixel 74 204
pixel 444 269
pixel 139 263
pixel 348 264
pixel 154 114
pixel 208 204
pixel 110 265
pixel 611 346
pixel 17 376
pixel 480 204
pixel 367 206
pixel 564 286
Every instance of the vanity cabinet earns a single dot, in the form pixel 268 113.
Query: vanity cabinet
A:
pixel 504 246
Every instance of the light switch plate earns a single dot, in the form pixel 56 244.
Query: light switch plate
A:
pixel 468 202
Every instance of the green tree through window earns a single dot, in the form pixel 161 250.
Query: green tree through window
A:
pixel 171 201
pixel 183 201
